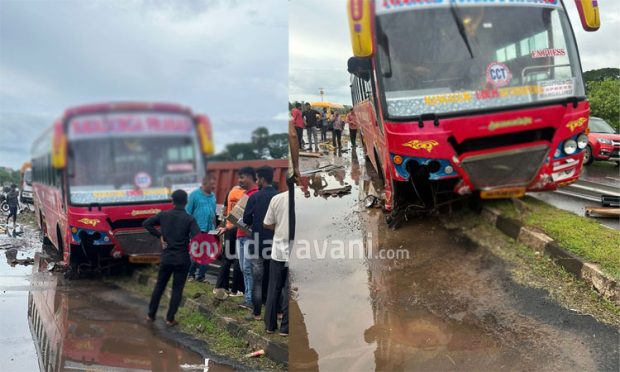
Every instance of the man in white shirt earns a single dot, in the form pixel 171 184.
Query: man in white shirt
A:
pixel 277 218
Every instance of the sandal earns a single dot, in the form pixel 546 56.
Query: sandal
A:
pixel 171 323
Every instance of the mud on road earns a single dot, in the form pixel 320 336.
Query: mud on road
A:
pixel 447 305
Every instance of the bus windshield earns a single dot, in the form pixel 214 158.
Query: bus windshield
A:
pixel 112 164
pixel 28 177
pixel 439 60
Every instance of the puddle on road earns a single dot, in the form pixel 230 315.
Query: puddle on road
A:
pixel 53 325
pixel 415 298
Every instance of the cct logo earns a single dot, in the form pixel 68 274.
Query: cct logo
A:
pixel 498 74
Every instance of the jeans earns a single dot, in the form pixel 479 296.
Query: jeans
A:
pixel 260 278
pixel 276 295
pixel 246 267
pixel 300 133
pixel 179 275
pixel 353 133
pixel 202 270
pixel 337 136
pixel 12 213
pixel 324 132
pixel 312 135
pixel 230 259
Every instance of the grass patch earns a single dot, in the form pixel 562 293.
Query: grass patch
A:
pixel 581 235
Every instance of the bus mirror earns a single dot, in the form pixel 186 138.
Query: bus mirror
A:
pixel 359 67
pixel 205 135
pixel 589 14
pixel 59 147
pixel 360 26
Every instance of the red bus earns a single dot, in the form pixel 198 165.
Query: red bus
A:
pixel 456 97
pixel 100 170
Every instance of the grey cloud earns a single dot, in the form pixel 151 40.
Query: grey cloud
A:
pixel 204 54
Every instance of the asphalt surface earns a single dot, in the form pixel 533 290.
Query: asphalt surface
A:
pixel 51 324
pixel 604 173
pixel 417 298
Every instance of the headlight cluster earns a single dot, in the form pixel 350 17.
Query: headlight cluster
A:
pixel 572 145
pixel 604 141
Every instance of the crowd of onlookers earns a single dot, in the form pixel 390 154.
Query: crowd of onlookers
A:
pixel 255 248
pixel 316 122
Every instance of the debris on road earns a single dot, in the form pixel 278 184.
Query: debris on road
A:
pixel 602 212
pixel 325 168
pixel 310 154
pixel 339 191
pixel 255 354
pixel 11 258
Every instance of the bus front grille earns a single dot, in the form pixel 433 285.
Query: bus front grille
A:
pixel 516 167
pixel 138 242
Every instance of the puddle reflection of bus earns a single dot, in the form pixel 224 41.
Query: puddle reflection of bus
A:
pixel 101 170
pixel 71 332
pixel 459 97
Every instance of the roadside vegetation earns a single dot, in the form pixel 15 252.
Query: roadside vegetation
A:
pixel 581 235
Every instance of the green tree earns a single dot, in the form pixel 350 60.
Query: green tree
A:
pixel 604 97
pixel 278 145
pixel 260 138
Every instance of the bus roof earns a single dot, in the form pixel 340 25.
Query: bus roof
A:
pixel 327 105
pixel 129 106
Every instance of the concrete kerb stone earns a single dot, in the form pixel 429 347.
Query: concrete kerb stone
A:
pixel 533 239
pixel 541 242
pixel 273 350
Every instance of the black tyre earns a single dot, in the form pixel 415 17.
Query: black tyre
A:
pixel 587 156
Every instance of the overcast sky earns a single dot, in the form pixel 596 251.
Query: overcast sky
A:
pixel 319 46
pixel 228 59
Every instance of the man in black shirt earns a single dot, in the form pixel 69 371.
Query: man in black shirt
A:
pixel 12 199
pixel 311 119
pixel 253 215
pixel 177 228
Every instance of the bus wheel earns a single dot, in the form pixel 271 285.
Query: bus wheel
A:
pixel 46 241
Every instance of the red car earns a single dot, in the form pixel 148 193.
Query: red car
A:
pixel 603 142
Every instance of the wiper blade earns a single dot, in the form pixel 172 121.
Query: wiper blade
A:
pixel 461 27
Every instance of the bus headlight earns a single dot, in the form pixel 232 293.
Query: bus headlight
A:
pixel 582 141
pixel 570 146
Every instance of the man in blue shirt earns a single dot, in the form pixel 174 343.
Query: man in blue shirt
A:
pixel 202 207
pixel 253 215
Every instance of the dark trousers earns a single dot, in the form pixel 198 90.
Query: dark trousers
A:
pixel 260 277
pixel 324 132
pixel 353 133
pixel 229 259
pixel 337 136
pixel 277 295
pixel 300 135
pixel 179 275
pixel 12 213
pixel 196 267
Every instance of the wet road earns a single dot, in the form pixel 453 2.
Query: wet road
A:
pixel 50 324
pixel 418 298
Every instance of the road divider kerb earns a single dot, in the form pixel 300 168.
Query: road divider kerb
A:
pixel 543 244
pixel 275 351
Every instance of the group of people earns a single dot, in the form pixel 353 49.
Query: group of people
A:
pixel 256 248
pixel 315 122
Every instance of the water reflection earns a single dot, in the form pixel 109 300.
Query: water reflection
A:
pixel 75 330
